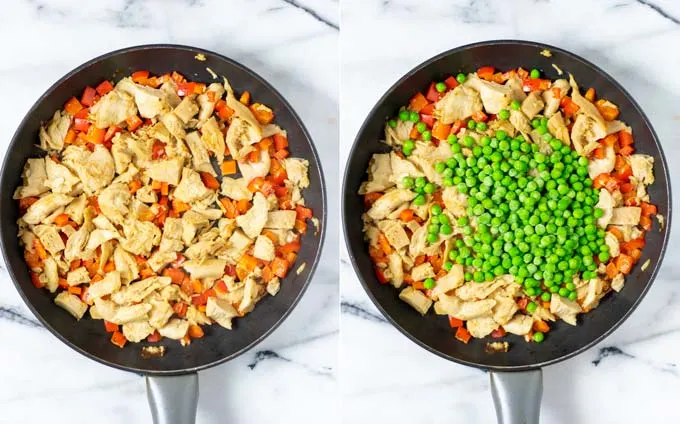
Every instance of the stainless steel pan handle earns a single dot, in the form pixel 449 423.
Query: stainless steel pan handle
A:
pixel 173 400
pixel 517 396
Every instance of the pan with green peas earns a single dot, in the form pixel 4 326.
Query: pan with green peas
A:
pixel 505 202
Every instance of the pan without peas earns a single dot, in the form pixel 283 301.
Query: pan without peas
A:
pixel 516 376
pixel 171 379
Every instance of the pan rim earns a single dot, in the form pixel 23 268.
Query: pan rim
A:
pixel 652 274
pixel 323 218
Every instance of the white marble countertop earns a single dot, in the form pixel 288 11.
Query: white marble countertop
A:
pixel 632 376
pixel 293 372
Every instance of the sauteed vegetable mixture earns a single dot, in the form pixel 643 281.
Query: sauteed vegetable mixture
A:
pixel 126 215
pixel 507 201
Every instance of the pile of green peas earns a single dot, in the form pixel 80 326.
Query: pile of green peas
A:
pixel 529 214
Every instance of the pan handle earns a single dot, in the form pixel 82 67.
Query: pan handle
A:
pixel 517 396
pixel 173 399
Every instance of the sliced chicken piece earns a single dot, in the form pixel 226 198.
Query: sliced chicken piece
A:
pixel 643 168
pixel 136 292
pixel 60 179
pixel 422 272
pixel 113 109
pixel 451 305
pixel 565 309
pixel 514 84
pixel 585 133
pixel 627 215
pixel 533 104
pixel 613 244
pixel 151 102
pixel 606 203
pixel 273 286
pixel 71 303
pixel 78 276
pixel 558 128
pixel 251 170
pixel 451 281
pixel 168 171
pixel 519 324
pixel 505 309
pixel 594 293
pixel 175 329
pixel 76 208
pixel 169 88
pixel 239 242
pixel 240 137
pixel 520 121
pixel 236 188
pixel 122 156
pixel 191 187
pixel 196 317
pixel 172 236
pixel 617 282
pixel 394 233
pixel 221 311
pixel 114 202
pixel 52 137
pixel 481 327
pixel 108 310
pixel 604 165
pixel 482 290
pixel 388 202
pixel 192 221
pixel 458 104
pixel 209 268
pixel 174 125
pixel 396 268
pixel 253 221
pixel 207 107
pixel 159 259
pixel 264 248
pixel 51 274
pixel 494 96
pixel 97 171
pixel 50 238
pixel 137 331
pixel 186 109
pixel 107 285
pixel 160 312
pixel 252 292
pixel 98 237
pixel 283 219
pixel 416 299
pixel 140 237
pixel 586 106
pixel 552 102
pixel 33 175
pixel 297 171
pixel 44 206
pixel 75 244
pixel 213 139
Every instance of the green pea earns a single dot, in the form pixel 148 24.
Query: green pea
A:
pixel 448 265
pixel 409 144
pixel 429 188
pixel 481 126
pixel 546 296
pixel 461 78
pixel 515 105
pixel 421 181
pixel 427 135
pixel 572 296
pixel 419 200
pixel 452 139
pixel 504 114
pixel 471 124
pixel 440 87
pixel 444 219
pixel 432 238
pixel 597 213
pixel 535 73
pixel 404 115
pixel 429 283
pixel 436 209
pixel 468 141
pixel 446 229
pixel 413 117
pixel 531 307
pixel 538 337
pixel 440 167
pixel 392 123
pixel 420 126
pixel 407 182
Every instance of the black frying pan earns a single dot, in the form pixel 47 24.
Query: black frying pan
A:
pixel 515 375
pixel 88 336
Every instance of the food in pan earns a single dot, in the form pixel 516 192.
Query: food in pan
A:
pixel 162 205
pixel 508 201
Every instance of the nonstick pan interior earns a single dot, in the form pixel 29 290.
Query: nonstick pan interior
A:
pixel 433 332
pixel 88 336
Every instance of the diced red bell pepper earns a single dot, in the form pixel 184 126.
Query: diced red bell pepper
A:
pixel 432 94
pixel 104 88
pixel 88 97
pixel 418 102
